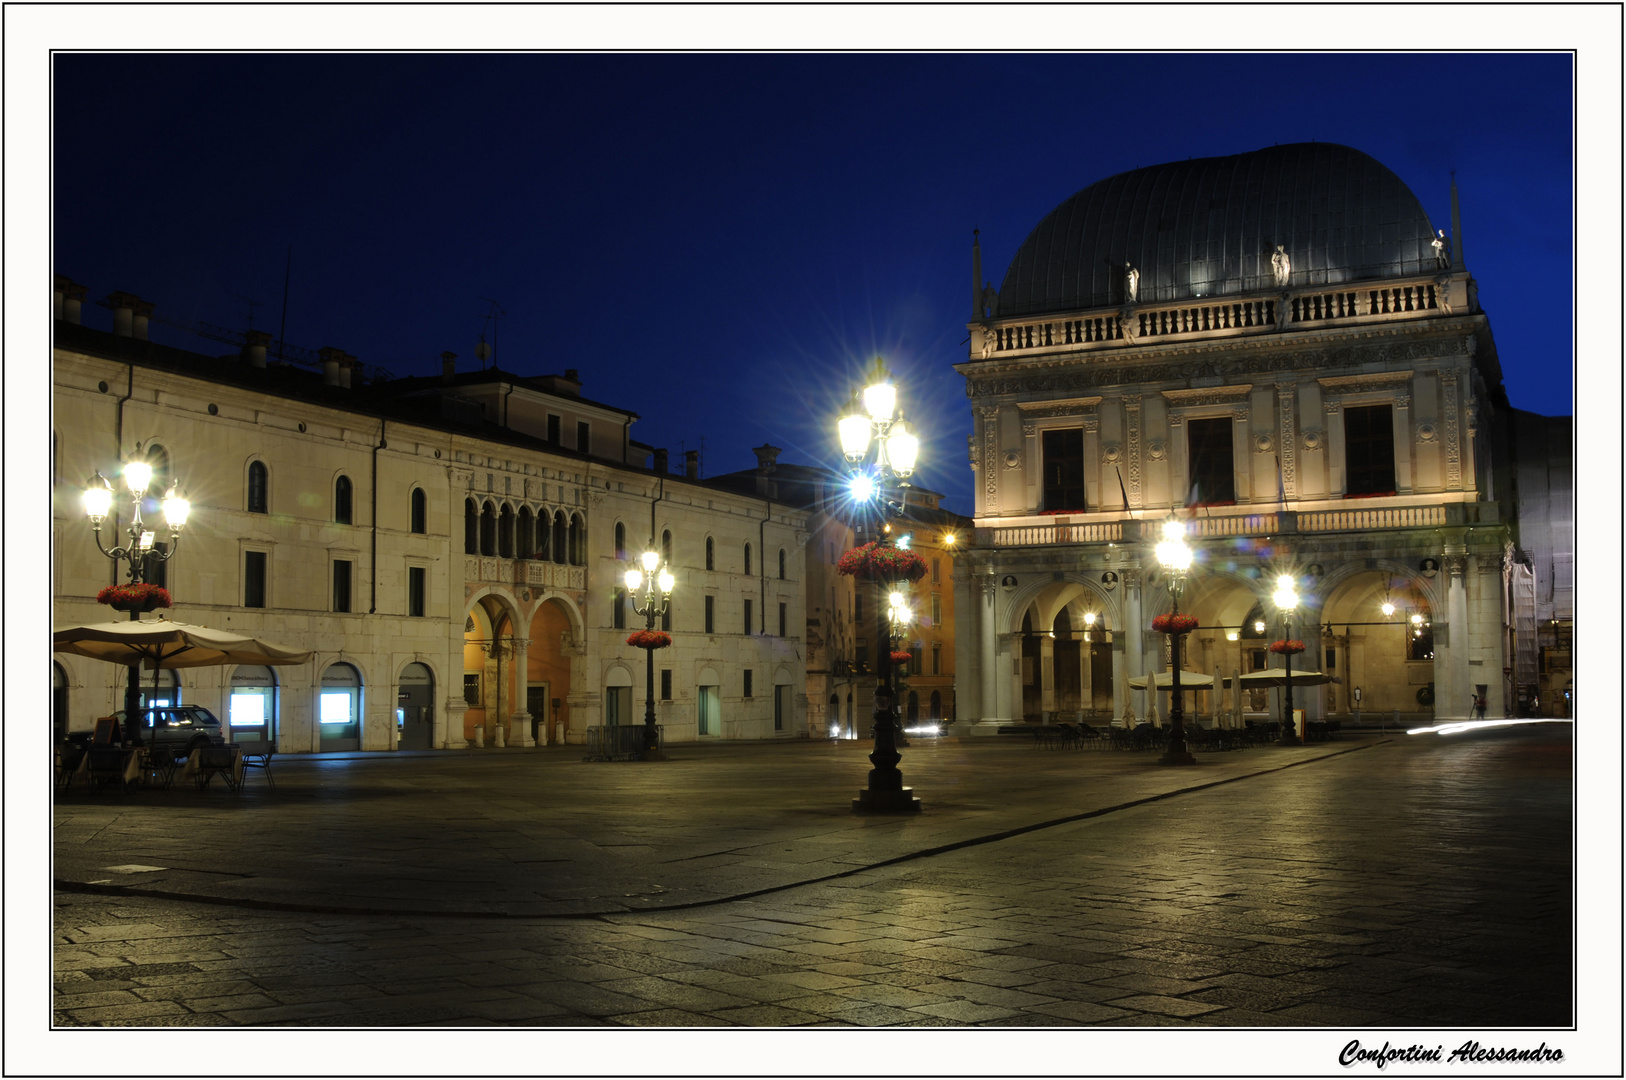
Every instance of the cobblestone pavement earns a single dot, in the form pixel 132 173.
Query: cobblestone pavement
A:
pixel 1422 882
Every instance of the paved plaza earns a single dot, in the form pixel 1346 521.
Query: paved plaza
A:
pixel 1376 881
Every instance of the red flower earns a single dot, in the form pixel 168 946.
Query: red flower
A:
pixel 882 562
pixel 649 639
pixel 1285 647
pixel 134 597
pixel 1174 624
pixel 899 656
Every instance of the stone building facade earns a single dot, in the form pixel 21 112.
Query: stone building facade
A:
pixel 1280 350
pixel 451 548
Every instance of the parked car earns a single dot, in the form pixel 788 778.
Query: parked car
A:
pixel 181 728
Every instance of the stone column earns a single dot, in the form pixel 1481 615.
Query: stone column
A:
pixel 990 649
pixel 1133 630
pixel 1404 480
pixel 1047 673
pixel 1451 683
pixel 521 716
pixel 1086 680
pixel 1015 696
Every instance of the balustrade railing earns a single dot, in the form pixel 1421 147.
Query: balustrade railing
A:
pixel 529 572
pixel 1220 318
pixel 1394 517
pixel 1029 535
pixel 1204 527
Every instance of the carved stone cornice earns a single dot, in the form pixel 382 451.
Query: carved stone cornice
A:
pixel 1067 407
pixel 1360 384
pixel 1209 395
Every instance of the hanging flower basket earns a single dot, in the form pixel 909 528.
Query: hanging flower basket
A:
pixel 649 639
pixel 137 598
pixel 900 657
pixel 882 562
pixel 1284 648
pixel 1174 624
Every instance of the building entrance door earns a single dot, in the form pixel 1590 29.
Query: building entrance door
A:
pixel 706 714
pixel 415 708
pixel 252 710
pixel 339 708
pixel 536 703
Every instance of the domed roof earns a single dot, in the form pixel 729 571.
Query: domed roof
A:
pixel 1209 227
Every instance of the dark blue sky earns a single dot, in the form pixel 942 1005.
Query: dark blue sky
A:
pixel 721 242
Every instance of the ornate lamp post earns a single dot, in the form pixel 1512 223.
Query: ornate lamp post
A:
pixel 880 448
pixel 97 501
pixel 1175 558
pixel 656 581
pixel 1286 599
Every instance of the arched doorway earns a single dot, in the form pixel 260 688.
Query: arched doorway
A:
pixel 59 701
pixel 618 696
pixel 415 708
pixel 338 712
pixel 251 712
pixel 547 671
pixel 937 705
pixel 1382 642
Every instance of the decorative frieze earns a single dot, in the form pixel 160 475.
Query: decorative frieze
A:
pixel 990 458
pixel 1453 442
pixel 1132 436
pixel 1041 410
pixel 1284 400
pixel 1209 395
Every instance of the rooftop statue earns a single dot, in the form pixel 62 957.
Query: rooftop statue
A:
pixel 1131 284
pixel 1281 267
pixel 1442 250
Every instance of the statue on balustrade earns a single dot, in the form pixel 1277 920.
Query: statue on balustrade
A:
pixel 989 337
pixel 1281 267
pixel 1442 250
pixel 990 301
pixel 1131 284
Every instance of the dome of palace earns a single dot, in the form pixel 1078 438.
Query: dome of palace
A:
pixel 1209 226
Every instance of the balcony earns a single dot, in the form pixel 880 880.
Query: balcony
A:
pixel 530 573
pixel 1114 528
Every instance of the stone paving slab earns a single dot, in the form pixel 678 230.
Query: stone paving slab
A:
pixel 541 832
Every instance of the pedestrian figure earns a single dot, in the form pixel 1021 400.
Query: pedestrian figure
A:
pixel 1479 706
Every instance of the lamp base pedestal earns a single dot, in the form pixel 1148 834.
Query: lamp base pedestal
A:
pixel 880 801
pixel 651 755
pixel 1177 757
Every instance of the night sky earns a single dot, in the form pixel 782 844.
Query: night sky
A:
pixel 721 242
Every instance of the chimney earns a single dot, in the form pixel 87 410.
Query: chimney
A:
pixel 68 296
pixel 662 465
pixel 335 372
pixel 448 366
pixel 767 459
pixel 123 306
pixel 139 314
pixel 254 343
pixel 691 464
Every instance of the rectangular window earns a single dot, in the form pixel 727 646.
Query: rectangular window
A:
pixel 1332 659
pixel 156 572
pixel 254 579
pixel 748 682
pixel 858 604
pixel 782 617
pixel 937 609
pixel 553 429
pixel 861 654
pixel 1369 450
pixel 711 613
pixel 341 584
pixel 1212 475
pixel 937 571
pixel 666 617
pixel 781 705
pixel 471 690
pixel 584 436
pixel 747 629
pixel 915 657
pixel 416 589
pixel 666 684
pixel 1063 468
pixel 618 610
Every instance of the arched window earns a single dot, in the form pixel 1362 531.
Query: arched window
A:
pixel 542 542
pixel 578 541
pixel 158 458
pixel 523 534
pixel 711 555
pixel 666 545
pixel 505 532
pixel 471 528
pixel 620 542
pixel 341 500
pixel 937 705
pixel 747 558
pixel 488 530
pixel 258 499
pixel 561 536
pixel 420 511
pixel 781 564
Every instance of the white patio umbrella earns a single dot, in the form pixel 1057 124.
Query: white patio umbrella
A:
pixel 159 644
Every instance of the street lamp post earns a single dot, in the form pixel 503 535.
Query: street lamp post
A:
pixel 1175 558
pixel 656 581
pixel 880 448
pixel 97 501
pixel 1287 599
